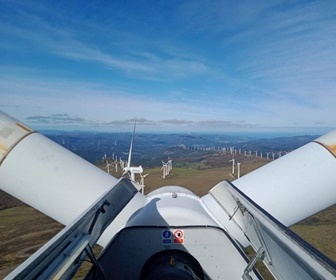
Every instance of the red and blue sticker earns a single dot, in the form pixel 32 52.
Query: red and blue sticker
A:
pixel 176 236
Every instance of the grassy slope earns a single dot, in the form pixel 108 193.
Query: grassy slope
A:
pixel 23 230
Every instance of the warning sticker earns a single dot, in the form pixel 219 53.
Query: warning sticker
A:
pixel 167 236
pixel 178 236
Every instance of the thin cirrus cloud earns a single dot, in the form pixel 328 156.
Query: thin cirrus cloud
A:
pixel 146 67
pixel 63 43
pixel 78 51
pixel 293 46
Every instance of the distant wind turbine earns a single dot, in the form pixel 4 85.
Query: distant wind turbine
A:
pixel 238 167
pixel 231 150
pixel 130 169
pixel 165 168
pixel 142 182
pixel 108 166
pixel 233 165
pixel 169 165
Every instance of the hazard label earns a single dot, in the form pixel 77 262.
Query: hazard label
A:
pixel 166 236
pixel 178 236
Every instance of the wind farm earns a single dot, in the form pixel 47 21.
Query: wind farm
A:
pixel 196 169
pixel 33 229
pixel 234 147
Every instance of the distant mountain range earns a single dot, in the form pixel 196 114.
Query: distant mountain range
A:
pixel 150 149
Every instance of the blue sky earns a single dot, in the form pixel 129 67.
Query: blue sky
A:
pixel 189 66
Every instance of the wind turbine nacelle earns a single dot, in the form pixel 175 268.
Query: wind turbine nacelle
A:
pixel 172 234
pixel 136 170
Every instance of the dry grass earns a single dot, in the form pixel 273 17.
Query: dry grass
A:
pixel 23 231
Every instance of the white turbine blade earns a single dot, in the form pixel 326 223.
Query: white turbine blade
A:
pixel 290 188
pixel 125 172
pixel 296 185
pixel 131 147
pixel 54 180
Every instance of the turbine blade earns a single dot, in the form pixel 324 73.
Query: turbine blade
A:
pixel 38 184
pixel 131 147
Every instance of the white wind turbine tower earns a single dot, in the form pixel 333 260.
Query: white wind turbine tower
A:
pixel 115 162
pixel 256 153
pixel 233 164
pixel 273 155
pixel 108 166
pixel 142 182
pixel 164 169
pixel 267 155
pixel 231 150
pixel 122 163
pixel 169 165
pixel 238 167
